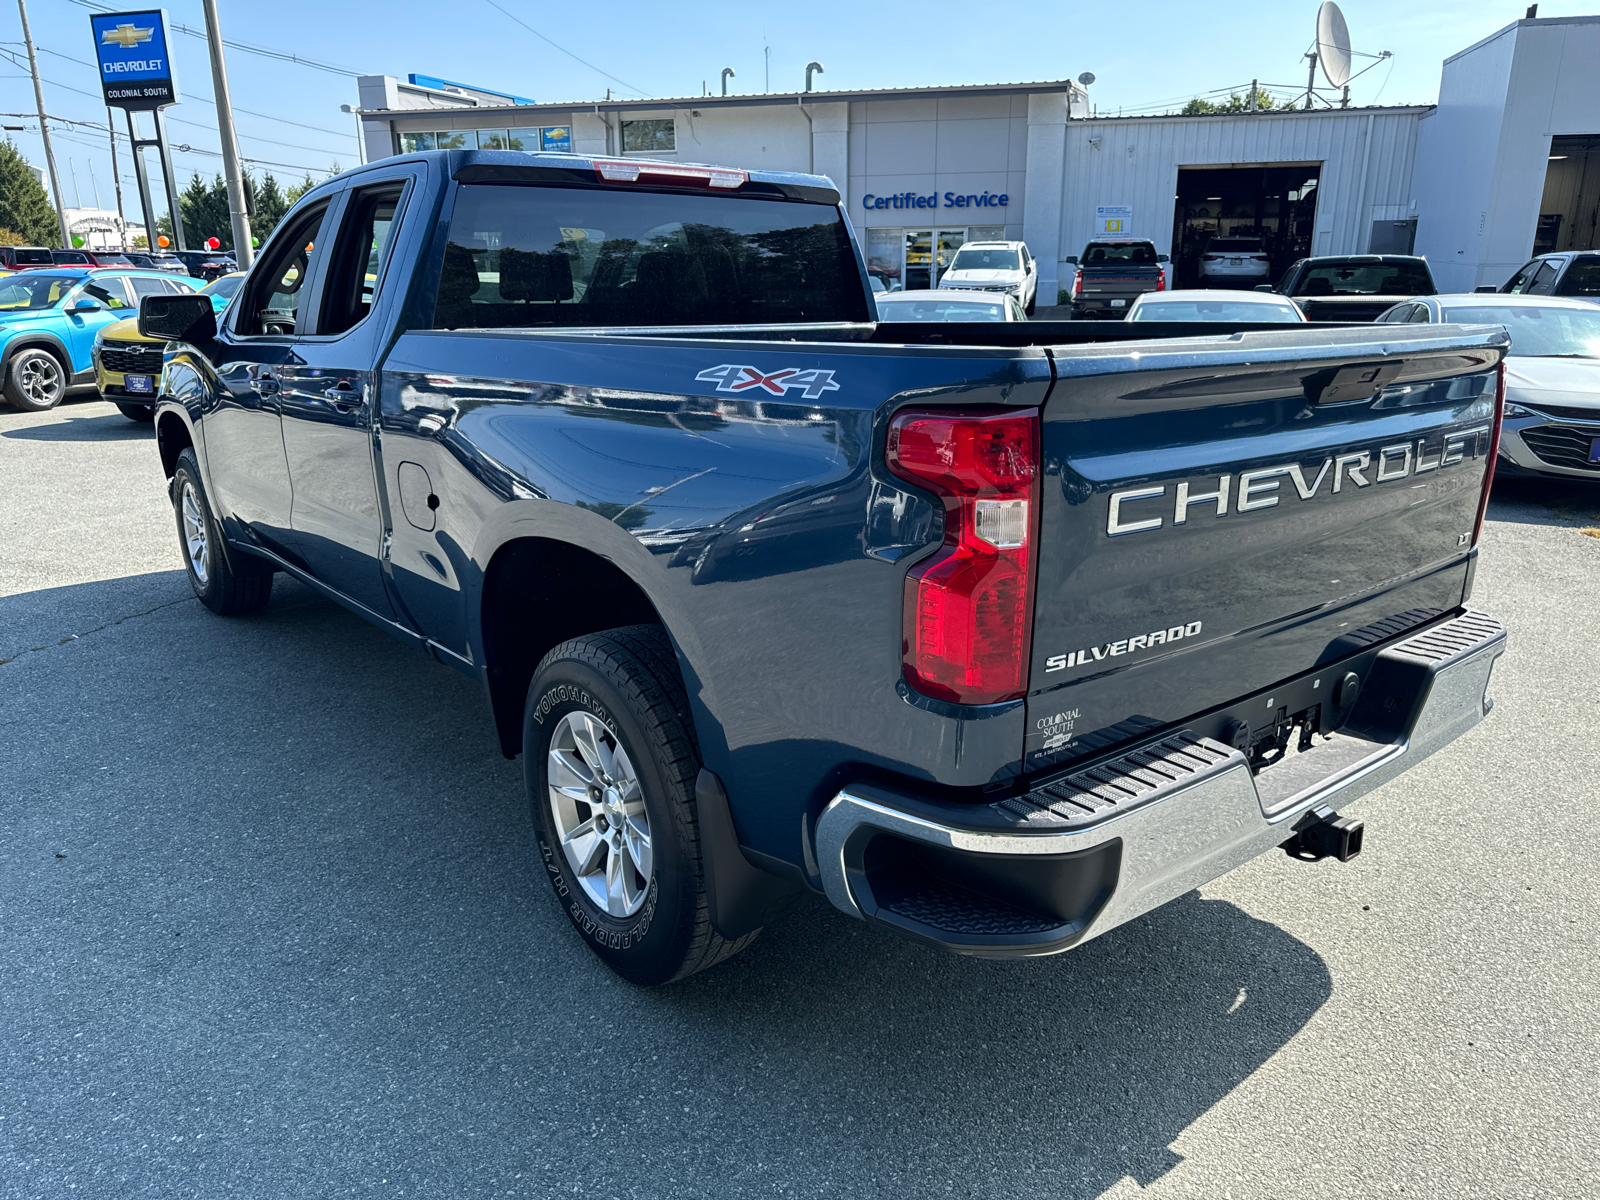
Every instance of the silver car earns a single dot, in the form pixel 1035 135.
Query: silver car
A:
pixel 1552 415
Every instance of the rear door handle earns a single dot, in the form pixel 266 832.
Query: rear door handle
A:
pixel 345 398
pixel 263 384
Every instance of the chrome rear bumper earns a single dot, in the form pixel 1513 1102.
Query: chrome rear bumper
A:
pixel 1040 873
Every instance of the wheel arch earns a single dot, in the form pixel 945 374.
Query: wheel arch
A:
pixel 173 436
pixel 36 340
pixel 537 593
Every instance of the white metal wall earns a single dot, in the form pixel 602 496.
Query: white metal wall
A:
pixel 1482 156
pixel 1366 156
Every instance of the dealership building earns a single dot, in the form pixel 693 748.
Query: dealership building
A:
pixel 1506 165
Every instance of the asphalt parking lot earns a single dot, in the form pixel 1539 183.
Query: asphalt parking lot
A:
pixel 271 926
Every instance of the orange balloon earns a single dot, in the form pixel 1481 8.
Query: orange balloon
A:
pixel 163 242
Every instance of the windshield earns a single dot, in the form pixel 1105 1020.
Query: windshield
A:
pixel 1536 332
pixel 927 308
pixel 1366 279
pixel 224 287
pixel 1119 254
pixel 531 256
pixel 987 260
pixel 1214 310
pixel 35 289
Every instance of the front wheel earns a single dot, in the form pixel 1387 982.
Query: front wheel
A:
pixel 144 413
pixel 36 381
pixel 216 584
pixel 611 763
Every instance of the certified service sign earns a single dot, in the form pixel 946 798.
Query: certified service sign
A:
pixel 135 70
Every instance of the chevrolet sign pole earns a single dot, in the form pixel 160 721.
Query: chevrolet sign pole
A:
pixel 244 253
pixel 136 75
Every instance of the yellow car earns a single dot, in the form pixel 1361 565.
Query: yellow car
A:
pixel 127 365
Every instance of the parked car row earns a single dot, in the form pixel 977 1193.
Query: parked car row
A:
pixel 52 327
pixel 198 264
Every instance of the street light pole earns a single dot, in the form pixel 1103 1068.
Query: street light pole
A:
pixel 244 253
pixel 44 128
pixel 361 131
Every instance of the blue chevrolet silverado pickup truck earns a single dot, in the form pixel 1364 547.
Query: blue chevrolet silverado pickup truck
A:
pixel 996 636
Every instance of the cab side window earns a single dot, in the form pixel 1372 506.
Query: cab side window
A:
pixel 145 286
pixel 1545 279
pixel 1519 281
pixel 363 251
pixel 109 292
pixel 277 284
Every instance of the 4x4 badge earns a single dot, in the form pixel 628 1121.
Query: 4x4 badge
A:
pixel 735 377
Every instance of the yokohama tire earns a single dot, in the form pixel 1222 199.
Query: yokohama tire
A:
pixel 618 694
pixel 217 585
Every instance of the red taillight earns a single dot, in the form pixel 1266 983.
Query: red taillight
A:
pixel 1211 258
pixel 1161 280
pixel 968 610
pixel 634 170
pixel 1494 449
pixel 1077 282
pixel 1258 258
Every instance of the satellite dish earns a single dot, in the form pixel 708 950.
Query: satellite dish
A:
pixel 1333 44
pixel 1086 78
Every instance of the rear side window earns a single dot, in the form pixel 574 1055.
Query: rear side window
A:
pixel 1582 278
pixel 524 257
pixel 277 283
pixel 34 258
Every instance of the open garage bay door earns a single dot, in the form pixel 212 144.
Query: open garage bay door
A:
pixel 1570 211
pixel 1276 203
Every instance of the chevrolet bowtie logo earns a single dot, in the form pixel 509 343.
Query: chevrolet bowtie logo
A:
pixel 126 36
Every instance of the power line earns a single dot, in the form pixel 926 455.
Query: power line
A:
pixel 259 161
pixel 264 51
pixel 541 37
pixel 341 133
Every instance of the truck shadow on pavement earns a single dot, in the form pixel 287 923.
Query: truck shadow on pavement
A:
pixel 292 906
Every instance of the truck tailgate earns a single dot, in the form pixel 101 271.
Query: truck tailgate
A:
pixel 1222 514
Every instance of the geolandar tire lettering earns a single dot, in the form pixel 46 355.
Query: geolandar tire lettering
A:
pixel 610 763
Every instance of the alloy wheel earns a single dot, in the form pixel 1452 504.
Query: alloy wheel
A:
pixel 599 813
pixel 41 380
pixel 195 540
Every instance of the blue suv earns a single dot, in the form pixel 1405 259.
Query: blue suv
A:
pixel 48 320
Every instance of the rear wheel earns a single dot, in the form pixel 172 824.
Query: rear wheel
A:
pixel 137 412
pixel 611 762
pixel 36 381
pixel 224 590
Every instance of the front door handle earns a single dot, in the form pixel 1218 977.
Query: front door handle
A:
pixel 345 398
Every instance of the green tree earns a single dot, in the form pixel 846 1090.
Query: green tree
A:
pixel 205 213
pixel 305 185
pixel 270 206
pixel 1235 103
pixel 24 207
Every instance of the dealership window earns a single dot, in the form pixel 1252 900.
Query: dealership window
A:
pixel 986 233
pixel 649 136
pixel 532 140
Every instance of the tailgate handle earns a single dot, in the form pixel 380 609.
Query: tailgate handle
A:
pixel 1341 385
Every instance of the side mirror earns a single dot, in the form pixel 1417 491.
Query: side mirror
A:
pixel 1071 258
pixel 1162 258
pixel 178 318
pixel 1486 287
pixel 84 306
pixel 1263 287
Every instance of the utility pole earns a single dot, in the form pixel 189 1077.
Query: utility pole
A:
pixel 44 127
pixel 244 253
pixel 116 178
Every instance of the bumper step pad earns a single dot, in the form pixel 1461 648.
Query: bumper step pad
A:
pixel 1137 778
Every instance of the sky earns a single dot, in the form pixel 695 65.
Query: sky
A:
pixel 1146 55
